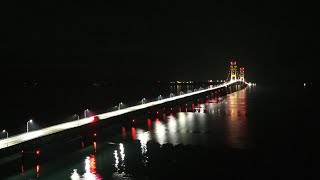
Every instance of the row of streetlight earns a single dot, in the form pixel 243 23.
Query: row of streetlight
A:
pixel 5 131
pixel 85 116
pixel 30 121
pixel 143 101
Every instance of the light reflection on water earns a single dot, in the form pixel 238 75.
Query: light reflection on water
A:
pixel 160 132
pixel 38 170
pixel 236 129
pixel 191 128
pixel 90 170
pixel 122 155
pixel 228 115
pixel 75 175
pixel 116 164
pixel 144 137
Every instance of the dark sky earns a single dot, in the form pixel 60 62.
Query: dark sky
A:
pixel 157 40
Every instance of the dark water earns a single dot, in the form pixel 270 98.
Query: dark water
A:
pixel 256 133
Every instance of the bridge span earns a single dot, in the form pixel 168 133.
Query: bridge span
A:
pixel 24 137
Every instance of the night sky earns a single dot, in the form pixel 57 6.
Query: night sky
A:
pixel 162 40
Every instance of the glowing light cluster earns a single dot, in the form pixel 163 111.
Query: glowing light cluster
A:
pixel 68 125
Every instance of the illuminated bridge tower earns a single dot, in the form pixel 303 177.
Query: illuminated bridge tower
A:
pixel 233 71
pixel 241 74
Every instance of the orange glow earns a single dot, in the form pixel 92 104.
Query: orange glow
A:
pixel 236 121
pixel 38 169
pixel 133 133
pixel 92 164
pixel 123 133
pixel 95 145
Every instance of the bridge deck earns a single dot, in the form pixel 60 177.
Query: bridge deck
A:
pixel 20 138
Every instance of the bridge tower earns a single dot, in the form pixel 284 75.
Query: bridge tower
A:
pixel 241 74
pixel 233 71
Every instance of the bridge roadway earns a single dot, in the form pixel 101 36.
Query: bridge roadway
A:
pixel 20 138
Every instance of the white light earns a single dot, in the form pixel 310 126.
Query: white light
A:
pixel 160 132
pixel 144 137
pixel 122 151
pixel 20 138
pixel 116 159
pixel 75 175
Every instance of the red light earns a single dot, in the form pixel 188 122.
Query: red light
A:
pixel 133 120
pixel 38 152
pixel 149 124
pixel 95 134
pixel 123 132
pixel 133 133
pixel 157 112
pixel 21 151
